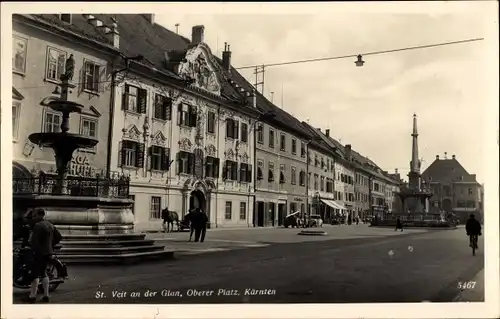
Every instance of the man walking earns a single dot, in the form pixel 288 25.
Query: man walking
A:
pixel 473 228
pixel 199 222
pixel 399 224
pixel 43 238
pixel 164 217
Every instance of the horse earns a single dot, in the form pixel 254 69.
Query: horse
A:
pixel 169 218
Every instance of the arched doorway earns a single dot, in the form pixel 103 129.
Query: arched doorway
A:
pixel 197 200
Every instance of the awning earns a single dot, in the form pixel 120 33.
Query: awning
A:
pixel 332 204
pixel 292 214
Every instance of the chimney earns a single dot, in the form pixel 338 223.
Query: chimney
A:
pixel 319 129
pixel 150 18
pixel 453 156
pixel 348 151
pixel 226 57
pixel 395 171
pixel 114 35
pixel 437 157
pixel 327 132
pixel 197 34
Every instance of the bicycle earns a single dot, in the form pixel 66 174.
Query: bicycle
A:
pixel 474 244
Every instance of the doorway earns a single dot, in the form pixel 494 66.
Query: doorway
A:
pixel 260 214
pixel 197 200
pixel 272 213
pixel 281 214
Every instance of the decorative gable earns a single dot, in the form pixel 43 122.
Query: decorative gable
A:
pixel 200 66
pixel 16 95
pixel 132 133
pixel 158 139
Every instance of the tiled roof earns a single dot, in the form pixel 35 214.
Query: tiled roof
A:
pixel 318 142
pixel 447 170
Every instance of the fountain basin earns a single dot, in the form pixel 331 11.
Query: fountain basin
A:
pixel 65 106
pixel 53 139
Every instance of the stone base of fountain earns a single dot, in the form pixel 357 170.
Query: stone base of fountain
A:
pixel 94 229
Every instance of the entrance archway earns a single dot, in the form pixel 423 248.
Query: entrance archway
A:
pixel 197 200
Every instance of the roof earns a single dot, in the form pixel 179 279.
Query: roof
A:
pixel 444 170
pixel 318 142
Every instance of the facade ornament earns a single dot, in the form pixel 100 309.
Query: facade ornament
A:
pixel 185 144
pixel 146 127
pixel 198 68
pixel 132 133
pixel 158 139
pixel 69 70
pixel 229 154
pixel 211 150
pixel 244 158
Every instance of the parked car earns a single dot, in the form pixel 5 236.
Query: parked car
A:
pixel 315 221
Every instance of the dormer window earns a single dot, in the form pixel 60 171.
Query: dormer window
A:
pixel 65 17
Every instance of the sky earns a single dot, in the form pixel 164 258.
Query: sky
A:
pixel 370 107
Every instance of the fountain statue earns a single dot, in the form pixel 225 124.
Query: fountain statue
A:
pixel 93 213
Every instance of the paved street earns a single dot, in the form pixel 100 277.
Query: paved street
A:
pixel 351 264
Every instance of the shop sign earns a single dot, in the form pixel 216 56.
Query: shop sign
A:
pixel 80 166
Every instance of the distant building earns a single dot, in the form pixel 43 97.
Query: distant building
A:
pixel 454 189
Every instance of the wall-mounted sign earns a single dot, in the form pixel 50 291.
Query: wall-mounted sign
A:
pixel 298 199
pixel 80 166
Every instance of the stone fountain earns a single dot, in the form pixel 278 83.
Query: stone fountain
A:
pixel 93 214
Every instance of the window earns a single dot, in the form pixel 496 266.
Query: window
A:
pixel 243 211
pixel 260 133
pixel 231 170
pixel 186 115
pixel 92 76
pixel 134 99
pixel 211 122
pixel 302 149
pixel 19 52
pixel 132 154
pixel 322 185
pixel 293 208
pixel 16 109
pixel 293 178
pixel 302 178
pixel 302 208
pixel 470 191
pixel 282 142
pixel 232 128
pixel 316 161
pixel 282 174
pixel 260 170
pixel 245 173
pixel 316 177
pixel 52 122
pixel 309 180
pixel 185 162
pixel 155 207
pixel 65 17
pixel 56 62
pixel 159 158
pixel 229 211
pixel 270 176
pixel 271 138
pixel 244 132
pixel 212 167
pixel 327 166
pixel 88 127
pixel 294 146
pixel 163 107
pixel 329 185
pixel 132 197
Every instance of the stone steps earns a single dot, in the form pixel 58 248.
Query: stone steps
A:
pixel 106 243
pixel 109 250
pixel 137 257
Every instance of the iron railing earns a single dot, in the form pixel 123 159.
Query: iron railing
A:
pixel 73 186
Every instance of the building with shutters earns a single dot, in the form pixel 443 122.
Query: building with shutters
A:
pixel 181 131
pixel 455 191
pixel 42 45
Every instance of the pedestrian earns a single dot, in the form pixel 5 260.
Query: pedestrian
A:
pixel 188 220
pixel 357 220
pixel 200 225
pixel 399 224
pixel 164 217
pixel 43 238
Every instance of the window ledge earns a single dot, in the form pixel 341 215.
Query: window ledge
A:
pixel 87 150
pixel 58 82
pixel 184 174
pixel 91 92
pixel 20 73
pixel 211 134
pixel 160 120
pixel 131 167
pixel 133 113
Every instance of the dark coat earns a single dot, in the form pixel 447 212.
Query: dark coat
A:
pixel 199 220
pixel 473 227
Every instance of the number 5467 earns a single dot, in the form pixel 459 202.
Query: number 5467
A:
pixel 466 284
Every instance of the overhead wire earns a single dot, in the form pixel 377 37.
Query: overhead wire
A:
pixel 315 59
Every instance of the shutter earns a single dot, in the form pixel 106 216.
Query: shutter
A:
pixel 167 106
pixel 239 175
pixel 178 163
pixel 61 62
pixel 224 170
pixel 140 155
pixel 191 163
pixel 102 79
pixel 143 97
pixel 216 167
pixel 149 158
pixel 236 129
pixel 81 76
pixel 193 118
pixel 179 114
pixel 228 127
pixel 121 155
pixel 249 173
pixel 125 98
pixel 165 159
pixel 235 171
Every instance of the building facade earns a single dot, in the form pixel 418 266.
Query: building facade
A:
pixel 454 189
pixel 42 47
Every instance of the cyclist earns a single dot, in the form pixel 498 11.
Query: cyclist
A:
pixel 473 228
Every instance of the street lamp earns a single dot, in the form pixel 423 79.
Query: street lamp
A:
pixel 359 62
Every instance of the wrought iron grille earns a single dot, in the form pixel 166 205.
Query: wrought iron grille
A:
pixel 75 186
